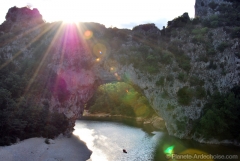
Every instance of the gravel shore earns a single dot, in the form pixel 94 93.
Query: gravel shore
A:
pixel 35 149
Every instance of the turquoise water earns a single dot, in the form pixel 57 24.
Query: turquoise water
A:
pixel 108 139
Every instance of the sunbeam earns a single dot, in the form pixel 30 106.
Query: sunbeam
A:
pixel 44 56
pixel 25 47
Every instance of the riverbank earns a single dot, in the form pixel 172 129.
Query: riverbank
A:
pixel 149 125
pixel 36 149
pixel 155 122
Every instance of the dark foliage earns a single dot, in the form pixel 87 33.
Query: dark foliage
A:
pixel 145 27
pixel 21 114
pixel 213 5
pixel 184 96
pixel 220 117
pixel 179 21
pixel 160 82
pixel 228 15
pixel 182 59
pixel 221 47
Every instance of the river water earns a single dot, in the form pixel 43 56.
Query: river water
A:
pixel 108 139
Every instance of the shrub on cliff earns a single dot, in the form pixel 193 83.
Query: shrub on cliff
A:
pixel 236 32
pixel 179 21
pixel 160 82
pixel 23 120
pixel 185 95
pixel 213 5
pixel 221 116
pixel 228 15
pixel 200 92
pixel 222 46
pixel 21 84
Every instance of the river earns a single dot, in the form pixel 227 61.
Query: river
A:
pixel 108 139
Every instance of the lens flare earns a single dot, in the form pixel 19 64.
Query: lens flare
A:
pixel 88 34
pixel 169 150
pixel 113 69
pixel 99 50
pixel 117 76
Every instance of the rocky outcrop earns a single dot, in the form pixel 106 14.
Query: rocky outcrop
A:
pixel 178 21
pixel 20 19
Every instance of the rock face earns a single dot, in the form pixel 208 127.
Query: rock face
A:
pixel 21 19
pixel 221 78
pixel 75 81
pixel 66 59
pixel 205 8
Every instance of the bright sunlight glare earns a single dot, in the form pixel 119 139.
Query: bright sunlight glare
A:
pixel 121 14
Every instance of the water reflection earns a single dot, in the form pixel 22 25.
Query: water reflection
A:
pixel 108 139
pixel 89 137
pixel 171 145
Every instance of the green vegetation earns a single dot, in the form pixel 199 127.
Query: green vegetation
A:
pixel 236 32
pixel 21 114
pixel 222 46
pixel 199 35
pixel 120 99
pixel 181 125
pixel 170 78
pixel 23 118
pixel 228 15
pixel 221 116
pixel 160 82
pixel 211 51
pixel 182 59
pixel 170 107
pixel 213 5
pixel 165 94
pixel 200 31
pixel 195 81
pixel 203 58
pixel 200 92
pixel 182 77
pixel 185 95
pixel 166 57
pixel 212 65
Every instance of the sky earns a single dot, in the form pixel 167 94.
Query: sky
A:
pixel 111 13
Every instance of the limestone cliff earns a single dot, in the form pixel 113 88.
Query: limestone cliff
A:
pixel 64 62
pixel 177 68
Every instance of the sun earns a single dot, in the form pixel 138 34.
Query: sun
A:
pixel 67 11
pixel 74 11
pixel 69 19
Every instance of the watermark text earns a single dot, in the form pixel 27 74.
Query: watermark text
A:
pixel 200 156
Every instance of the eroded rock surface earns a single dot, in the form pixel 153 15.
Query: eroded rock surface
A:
pixel 65 61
